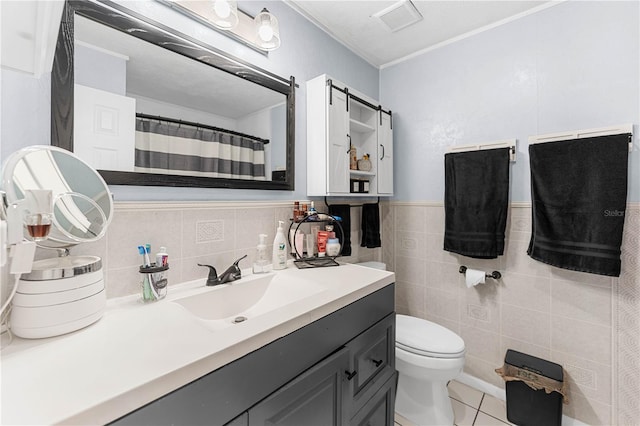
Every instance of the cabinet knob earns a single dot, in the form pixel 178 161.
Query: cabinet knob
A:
pixel 376 362
pixel 351 374
pixel 382 151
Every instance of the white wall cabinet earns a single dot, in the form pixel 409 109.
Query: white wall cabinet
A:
pixel 339 118
pixel 29 31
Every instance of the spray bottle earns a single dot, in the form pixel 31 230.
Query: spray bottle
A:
pixel 279 248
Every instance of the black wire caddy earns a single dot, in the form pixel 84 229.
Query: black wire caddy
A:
pixel 302 262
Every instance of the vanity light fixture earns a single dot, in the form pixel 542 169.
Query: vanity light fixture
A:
pixel 267 30
pixel 224 14
pixel 261 33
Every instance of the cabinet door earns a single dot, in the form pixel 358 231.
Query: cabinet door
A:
pixel 385 154
pixel 373 358
pixel 379 410
pixel 338 142
pixel 313 398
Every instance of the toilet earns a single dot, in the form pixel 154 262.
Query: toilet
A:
pixel 428 356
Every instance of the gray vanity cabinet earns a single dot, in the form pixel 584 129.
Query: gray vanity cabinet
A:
pixel 338 370
pixel 354 386
pixel 313 398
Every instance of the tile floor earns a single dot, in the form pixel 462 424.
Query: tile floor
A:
pixel 471 407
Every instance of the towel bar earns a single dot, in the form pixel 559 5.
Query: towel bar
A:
pixel 495 274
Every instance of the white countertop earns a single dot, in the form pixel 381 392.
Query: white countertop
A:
pixel 137 353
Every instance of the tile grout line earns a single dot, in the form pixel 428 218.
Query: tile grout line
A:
pixel 478 410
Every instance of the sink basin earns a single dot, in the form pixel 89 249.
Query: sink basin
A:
pixel 246 299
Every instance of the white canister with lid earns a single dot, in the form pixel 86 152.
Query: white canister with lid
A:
pixel 333 247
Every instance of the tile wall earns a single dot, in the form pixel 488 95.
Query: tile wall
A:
pixel 588 323
pixel 214 233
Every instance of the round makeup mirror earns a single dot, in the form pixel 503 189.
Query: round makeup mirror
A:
pixel 82 205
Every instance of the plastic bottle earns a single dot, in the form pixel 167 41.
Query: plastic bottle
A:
pixel 279 248
pixel 333 247
pixel 261 262
pixel 162 257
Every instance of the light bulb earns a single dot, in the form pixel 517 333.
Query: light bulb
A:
pixel 224 14
pixel 265 32
pixel 222 8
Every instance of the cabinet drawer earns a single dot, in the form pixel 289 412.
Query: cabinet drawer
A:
pixel 380 409
pixel 372 358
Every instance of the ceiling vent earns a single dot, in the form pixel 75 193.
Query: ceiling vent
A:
pixel 399 15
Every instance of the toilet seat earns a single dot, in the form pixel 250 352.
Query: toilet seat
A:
pixel 425 338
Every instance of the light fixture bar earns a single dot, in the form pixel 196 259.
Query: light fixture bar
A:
pixel 243 33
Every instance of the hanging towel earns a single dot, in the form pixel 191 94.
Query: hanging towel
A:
pixel 344 211
pixel 370 226
pixel 578 197
pixel 476 199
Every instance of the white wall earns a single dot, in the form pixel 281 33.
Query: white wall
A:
pixel 572 66
pixel 25 110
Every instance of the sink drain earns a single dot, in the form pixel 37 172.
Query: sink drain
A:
pixel 237 320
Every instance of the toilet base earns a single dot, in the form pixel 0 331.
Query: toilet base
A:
pixel 424 403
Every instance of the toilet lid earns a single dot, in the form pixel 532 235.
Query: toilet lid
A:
pixel 426 338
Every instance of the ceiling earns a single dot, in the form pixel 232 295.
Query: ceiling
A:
pixel 353 23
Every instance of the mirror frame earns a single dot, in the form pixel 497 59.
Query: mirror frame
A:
pixel 122 19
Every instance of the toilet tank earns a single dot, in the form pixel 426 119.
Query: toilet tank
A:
pixel 374 265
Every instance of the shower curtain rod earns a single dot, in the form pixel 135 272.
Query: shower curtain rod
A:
pixel 199 125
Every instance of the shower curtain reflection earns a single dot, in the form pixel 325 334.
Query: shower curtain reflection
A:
pixel 179 149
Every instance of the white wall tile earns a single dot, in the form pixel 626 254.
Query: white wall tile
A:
pixel 410 299
pixel 584 339
pixel 411 244
pixel 482 344
pixel 444 304
pixel 526 291
pixel 480 307
pixel 411 218
pixel 410 270
pixel 586 378
pixel 526 325
pixel 581 301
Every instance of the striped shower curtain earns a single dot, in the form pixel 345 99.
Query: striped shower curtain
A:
pixel 170 148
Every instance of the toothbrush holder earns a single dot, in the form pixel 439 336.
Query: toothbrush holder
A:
pixel 154 282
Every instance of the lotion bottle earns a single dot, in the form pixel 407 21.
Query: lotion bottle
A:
pixel 261 262
pixel 279 248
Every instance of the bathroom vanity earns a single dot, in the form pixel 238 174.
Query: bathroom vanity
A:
pixel 315 345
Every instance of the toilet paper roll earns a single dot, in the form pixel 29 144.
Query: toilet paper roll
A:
pixel 473 277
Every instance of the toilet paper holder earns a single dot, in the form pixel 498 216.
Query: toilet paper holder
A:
pixel 495 274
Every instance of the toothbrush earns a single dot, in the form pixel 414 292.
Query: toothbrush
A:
pixel 145 256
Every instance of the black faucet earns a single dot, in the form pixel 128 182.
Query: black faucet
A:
pixel 231 274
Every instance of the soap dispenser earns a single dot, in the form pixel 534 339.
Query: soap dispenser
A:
pixel 261 262
pixel 279 248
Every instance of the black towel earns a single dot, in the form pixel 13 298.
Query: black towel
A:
pixel 476 200
pixel 370 226
pixel 344 211
pixel 578 199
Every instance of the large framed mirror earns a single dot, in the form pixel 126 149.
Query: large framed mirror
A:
pixel 147 105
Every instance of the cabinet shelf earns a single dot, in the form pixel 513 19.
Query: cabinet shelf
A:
pixel 360 127
pixel 361 173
